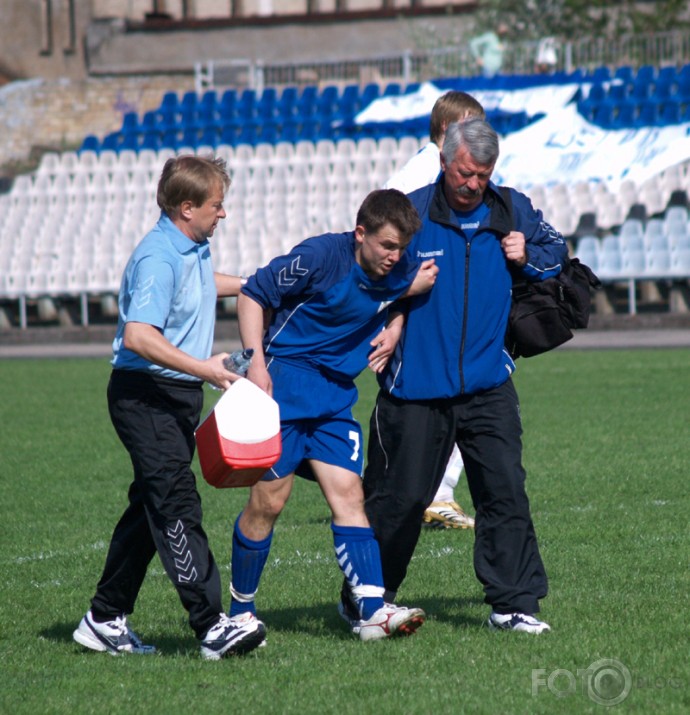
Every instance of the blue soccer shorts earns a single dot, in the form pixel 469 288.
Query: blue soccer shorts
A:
pixel 315 419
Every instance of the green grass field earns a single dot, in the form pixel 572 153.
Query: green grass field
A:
pixel 606 449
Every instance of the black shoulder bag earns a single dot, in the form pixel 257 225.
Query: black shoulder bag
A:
pixel 544 313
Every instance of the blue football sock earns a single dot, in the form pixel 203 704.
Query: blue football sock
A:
pixel 359 559
pixel 248 561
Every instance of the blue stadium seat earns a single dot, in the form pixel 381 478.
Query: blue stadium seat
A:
pixel 670 112
pixel 392 89
pixel 267 105
pixel 151 139
pixel 229 133
pixel 617 92
pixel 270 131
pixel 111 141
pixel 130 123
pixel 249 133
pixel 370 92
pixel 90 143
pixel 247 104
pixel 289 130
pixel 627 113
pixel 169 102
pixel 149 121
pixel 286 105
pixel 646 74
pixel 227 106
pixel 624 73
pixel 190 137
pixel 605 114
pixel 169 139
pixel 600 74
pixel 648 114
pixel 327 101
pixel 129 141
pixel 188 102
pixel 208 102
pixel 210 136
pixel 309 129
pixel 597 92
pixel 641 88
pixel 306 103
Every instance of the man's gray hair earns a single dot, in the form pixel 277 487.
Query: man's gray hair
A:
pixel 477 135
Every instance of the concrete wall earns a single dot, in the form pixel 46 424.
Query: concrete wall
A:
pixel 39 115
pixel 85 36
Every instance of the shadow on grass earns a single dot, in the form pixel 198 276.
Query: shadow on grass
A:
pixel 324 618
pixel 319 620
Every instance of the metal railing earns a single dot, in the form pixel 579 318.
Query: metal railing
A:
pixel 657 49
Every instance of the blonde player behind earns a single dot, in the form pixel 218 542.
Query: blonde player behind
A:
pixel 423 169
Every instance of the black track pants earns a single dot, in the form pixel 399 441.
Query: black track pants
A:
pixel 155 419
pixel 409 446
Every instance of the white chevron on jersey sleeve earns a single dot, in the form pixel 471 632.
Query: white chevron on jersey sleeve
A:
pixel 144 292
pixel 296 271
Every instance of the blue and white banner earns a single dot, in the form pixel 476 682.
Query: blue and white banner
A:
pixel 559 147
pixel 563 147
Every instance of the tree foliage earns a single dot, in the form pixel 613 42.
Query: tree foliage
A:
pixel 532 19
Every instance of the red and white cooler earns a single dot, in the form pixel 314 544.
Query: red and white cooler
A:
pixel 240 437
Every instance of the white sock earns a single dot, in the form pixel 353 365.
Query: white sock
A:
pixel 450 477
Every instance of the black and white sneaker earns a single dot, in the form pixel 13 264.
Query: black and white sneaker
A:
pixel 114 637
pixel 233 636
pixel 521 622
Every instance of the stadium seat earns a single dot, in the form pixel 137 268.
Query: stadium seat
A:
pixel 130 124
pixel 169 102
pixel 633 263
pixel 587 250
pixel 370 92
pixel 670 112
pixel 610 259
pixel 604 114
pixel 617 91
pixel 627 114
pixel 658 262
pixel 680 262
pixel 648 113
pixel 227 106
pixel 646 74
pixel 597 93
pixel 91 143
pixel 653 229
pixel 641 89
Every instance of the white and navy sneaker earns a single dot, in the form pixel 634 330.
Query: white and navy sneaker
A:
pixel 114 637
pixel 233 636
pixel 391 620
pixel 520 622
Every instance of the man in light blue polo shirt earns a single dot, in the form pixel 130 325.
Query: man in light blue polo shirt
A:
pixel 161 358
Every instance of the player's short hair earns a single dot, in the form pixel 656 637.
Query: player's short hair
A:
pixel 388 206
pixel 477 135
pixel 450 107
pixel 190 178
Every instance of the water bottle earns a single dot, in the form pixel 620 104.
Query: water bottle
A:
pixel 239 361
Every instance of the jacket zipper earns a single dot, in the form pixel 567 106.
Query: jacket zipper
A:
pixel 464 316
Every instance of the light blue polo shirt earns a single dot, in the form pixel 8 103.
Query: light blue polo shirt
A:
pixel 168 283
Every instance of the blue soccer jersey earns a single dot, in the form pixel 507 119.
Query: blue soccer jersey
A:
pixel 326 310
